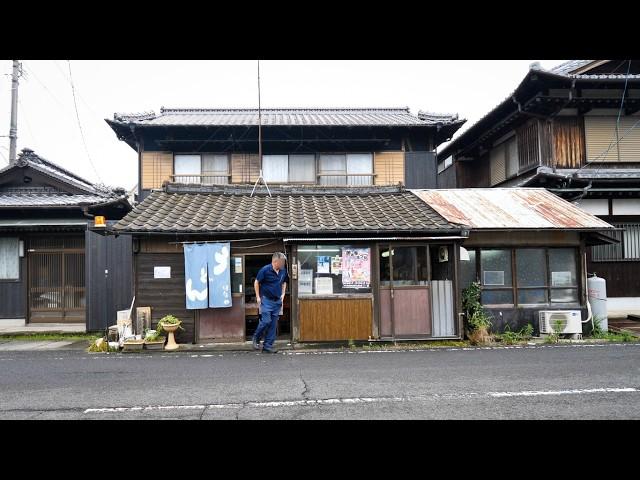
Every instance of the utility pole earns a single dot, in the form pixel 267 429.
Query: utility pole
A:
pixel 259 122
pixel 13 129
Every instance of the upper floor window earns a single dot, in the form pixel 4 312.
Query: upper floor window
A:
pixel 208 168
pixel 442 166
pixel 504 161
pixel 289 168
pixel 345 169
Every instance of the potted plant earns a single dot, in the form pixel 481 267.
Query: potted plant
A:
pixel 170 324
pixel 478 321
pixel 153 340
pixel 131 344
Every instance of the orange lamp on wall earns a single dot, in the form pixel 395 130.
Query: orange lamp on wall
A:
pixel 99 221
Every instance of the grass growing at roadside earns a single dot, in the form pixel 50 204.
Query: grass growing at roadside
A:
pixel 39 337
pixel 422 345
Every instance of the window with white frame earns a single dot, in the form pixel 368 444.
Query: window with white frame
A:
pixel 208 168
pixel 346 169
pixel 9 258
pixel 302 168
pixel 628 248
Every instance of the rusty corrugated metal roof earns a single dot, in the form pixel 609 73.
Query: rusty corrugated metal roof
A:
pixel 509 208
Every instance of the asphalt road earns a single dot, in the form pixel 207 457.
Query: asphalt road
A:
pixel 541 382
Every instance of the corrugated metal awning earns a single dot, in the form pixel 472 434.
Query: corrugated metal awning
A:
pixel 43 222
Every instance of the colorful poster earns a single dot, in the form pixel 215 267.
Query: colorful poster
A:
pixel 219 263
pixel 323 264
pixel 356 267
pixel 336 265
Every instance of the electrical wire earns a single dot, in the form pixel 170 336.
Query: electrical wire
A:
pixel 73 91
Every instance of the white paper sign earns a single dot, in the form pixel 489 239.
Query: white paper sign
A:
pixel 324 286
pixel 560 279
pixel 161 272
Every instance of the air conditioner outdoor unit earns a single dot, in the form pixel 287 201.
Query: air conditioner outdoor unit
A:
pixel 568 321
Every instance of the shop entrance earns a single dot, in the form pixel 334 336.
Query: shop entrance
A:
pixel 253 263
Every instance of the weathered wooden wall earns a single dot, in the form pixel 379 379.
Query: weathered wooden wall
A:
pixel 420 170
pixel 110 291
pixel 156 168
pixel 165 296
pixel 388 167
pixel 568 142
pixel 245 168
pixel 335 319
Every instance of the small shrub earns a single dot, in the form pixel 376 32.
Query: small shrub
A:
pixel 169 320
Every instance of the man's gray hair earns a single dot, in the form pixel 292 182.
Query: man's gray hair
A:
pixel 278 256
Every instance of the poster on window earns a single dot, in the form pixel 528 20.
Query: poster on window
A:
pixel 323 264
pixel 356 269
pixel 336 265
pixel 305 282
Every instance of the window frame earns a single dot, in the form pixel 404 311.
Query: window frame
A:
pixel 201 176
pixel 18 279
pixel 515 288
pixel 346 176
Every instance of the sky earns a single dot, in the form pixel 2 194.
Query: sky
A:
pixel 49 125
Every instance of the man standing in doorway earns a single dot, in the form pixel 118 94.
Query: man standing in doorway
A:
pixel 270 286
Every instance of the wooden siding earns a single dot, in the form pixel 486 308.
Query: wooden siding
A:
pixel 600 134
pixel 568 142
pixel 165 296
pixel 420 170
pixel 388 168
pixel 335 319
pixel 473 174
pixel 245 168
pixel 528 146
pixel 111 291
pixel 498 166
pixel 156 168
pixel 622 277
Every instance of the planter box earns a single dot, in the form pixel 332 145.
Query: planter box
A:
pixel 155 344
pixel 133 346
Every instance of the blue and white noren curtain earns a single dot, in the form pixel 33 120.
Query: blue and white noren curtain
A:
pixel 219 260
pixel 195 275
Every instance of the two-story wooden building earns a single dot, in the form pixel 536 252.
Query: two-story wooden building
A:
pixel 337 183
pixel 574 130
pixel 53 269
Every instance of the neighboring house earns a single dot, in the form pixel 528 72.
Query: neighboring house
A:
pixel 372 254
pixel 52 268
pixel 574 130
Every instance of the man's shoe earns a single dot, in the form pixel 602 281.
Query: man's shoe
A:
pixel 256 343
pixel 269 350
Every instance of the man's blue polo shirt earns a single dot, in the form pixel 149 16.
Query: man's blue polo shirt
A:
pixel 271 282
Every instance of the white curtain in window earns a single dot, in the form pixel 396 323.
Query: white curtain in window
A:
pixel 9 258
pixel 302 168
pixel 187 168
pixel 275 168
pixel 359 163
pixel 336 166
pixel 215 168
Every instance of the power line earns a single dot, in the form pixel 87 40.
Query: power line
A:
pixel 47 89
pixel 70 82
pixel 73 91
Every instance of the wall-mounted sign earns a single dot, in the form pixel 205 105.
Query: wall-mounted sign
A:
pixel 161 272
pixel 561 279
pixel 356 268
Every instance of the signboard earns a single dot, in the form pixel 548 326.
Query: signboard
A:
pixel 356 267
pixel 324 286
pixel 305 283
pixel 161 272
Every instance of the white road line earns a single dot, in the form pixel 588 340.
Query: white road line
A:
pixel 364 400
pixel 561 392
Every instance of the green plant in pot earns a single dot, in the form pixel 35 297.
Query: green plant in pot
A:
pixel 153 340
pixel 478 321
pixel 169 324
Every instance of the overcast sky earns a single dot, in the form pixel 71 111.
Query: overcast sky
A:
pixel 47 120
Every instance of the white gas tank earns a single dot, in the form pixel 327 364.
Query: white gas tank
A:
pixel 597 292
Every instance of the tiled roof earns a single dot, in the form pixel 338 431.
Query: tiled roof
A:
pixel 570 66
pixel 47 196
pixel 16 199
pixel 312 212
pixel 287 117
